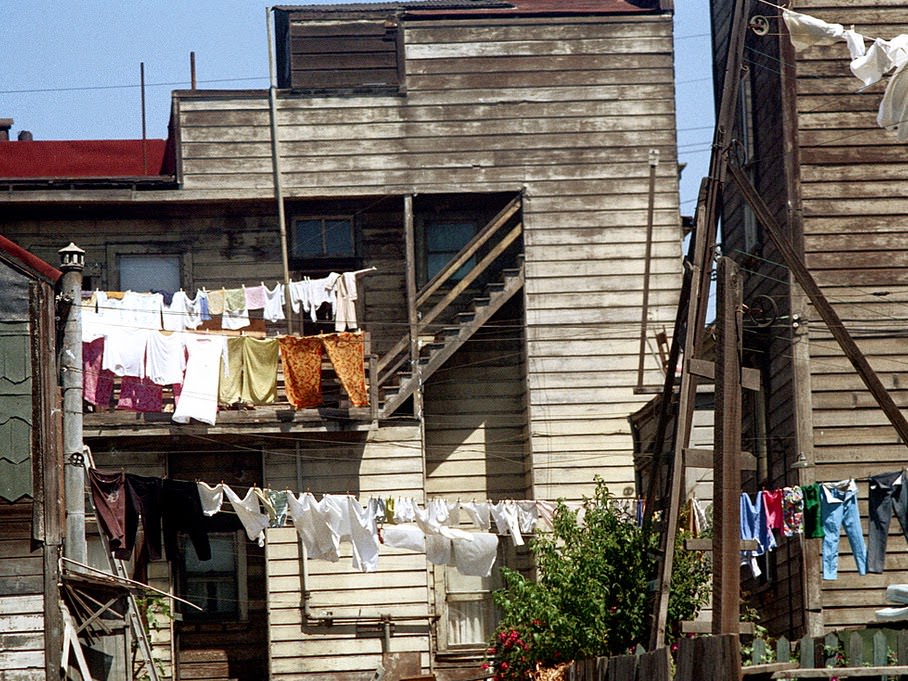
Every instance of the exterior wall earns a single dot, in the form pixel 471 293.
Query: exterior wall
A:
pixel 842 205
pixel 855 241
pixel 553 107
pixel 22 620
pixel 342 636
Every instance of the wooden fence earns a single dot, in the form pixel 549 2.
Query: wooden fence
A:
pixel 860 653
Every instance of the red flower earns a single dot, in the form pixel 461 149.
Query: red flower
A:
pixel 504 666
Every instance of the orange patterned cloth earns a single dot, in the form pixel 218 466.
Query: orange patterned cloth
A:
pixel 301 358
pixel 346 352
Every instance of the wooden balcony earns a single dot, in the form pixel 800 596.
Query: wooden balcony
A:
pixel 335 413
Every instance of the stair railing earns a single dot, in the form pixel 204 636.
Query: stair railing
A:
pixel 391 362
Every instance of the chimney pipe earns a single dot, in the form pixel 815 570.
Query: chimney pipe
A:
pixel 5 125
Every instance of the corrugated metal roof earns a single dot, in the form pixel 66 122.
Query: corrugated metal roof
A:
pixel 427 8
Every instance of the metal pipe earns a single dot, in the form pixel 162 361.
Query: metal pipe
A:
pixel 276 165
pixel 650 215
pixel 72 263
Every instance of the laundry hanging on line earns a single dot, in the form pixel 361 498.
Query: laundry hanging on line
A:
pixel 461 534
pixel 208 371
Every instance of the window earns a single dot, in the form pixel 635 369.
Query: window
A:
pixel 149 272
pixel 322 237
pixel 470 613
pixel 444 240
pixel 218 586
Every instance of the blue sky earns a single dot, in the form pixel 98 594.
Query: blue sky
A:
pixel 72 70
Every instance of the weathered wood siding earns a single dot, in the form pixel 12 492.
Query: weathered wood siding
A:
pixel 853 198
pixel 386 463
pixel 835 180
pixel 22 621
pixel 566 109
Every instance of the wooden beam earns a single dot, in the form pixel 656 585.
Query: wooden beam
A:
pixel 827 313
pixel 702 368
pixel 703 458
pixel 726 471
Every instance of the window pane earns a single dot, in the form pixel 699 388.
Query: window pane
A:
pixel 307 239
pixel 338 237
pixel 450 237
pixel 148 272
pixel 211 584
pixel 443 242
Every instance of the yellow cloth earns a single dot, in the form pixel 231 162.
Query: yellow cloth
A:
pixel 230 388
pixel 234 299
pixel 251 376
pixel 260 358
pixel 216 302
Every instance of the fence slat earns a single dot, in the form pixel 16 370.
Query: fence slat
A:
pixel 854 649
pixel 880 649
pixel 622 668
pixel 655 666
pixel 783 650
pixel 808 653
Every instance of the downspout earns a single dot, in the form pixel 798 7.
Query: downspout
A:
pixel 72 259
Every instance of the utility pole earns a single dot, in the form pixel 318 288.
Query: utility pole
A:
pixel 727 452
pixel 72 259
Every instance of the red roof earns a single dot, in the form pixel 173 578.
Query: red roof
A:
pixel 30 261
pixel 84 159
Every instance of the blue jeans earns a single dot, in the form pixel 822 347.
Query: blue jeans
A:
pixel 840 507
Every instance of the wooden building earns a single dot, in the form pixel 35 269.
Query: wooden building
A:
pixel 495 163
pixel 807 137
pixel 31 471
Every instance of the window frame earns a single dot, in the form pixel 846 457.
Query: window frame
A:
pixel 112 280
pixel 445 597
pixel 324 261
pixel 239 577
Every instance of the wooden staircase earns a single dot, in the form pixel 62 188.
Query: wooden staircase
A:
pixel 446 342
pixel 451 307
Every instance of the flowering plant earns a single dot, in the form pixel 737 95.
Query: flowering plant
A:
pixel 590 598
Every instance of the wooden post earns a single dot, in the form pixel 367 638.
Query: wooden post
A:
pixel 704 243
pixel 412 312
pixel 727 453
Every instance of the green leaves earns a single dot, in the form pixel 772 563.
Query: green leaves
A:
pixel 590 597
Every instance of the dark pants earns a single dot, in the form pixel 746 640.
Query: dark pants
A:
pixel 888 496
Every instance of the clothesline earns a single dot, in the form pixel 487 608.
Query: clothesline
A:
pixel 176 311
pixel 122 500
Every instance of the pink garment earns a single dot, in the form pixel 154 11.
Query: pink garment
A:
pixel 255 297
pixel 772 507
pixel 140 394
pixel 97 383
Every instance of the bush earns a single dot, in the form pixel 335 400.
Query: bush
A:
pixel 591 597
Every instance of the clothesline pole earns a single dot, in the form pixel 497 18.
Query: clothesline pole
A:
pixel 276 166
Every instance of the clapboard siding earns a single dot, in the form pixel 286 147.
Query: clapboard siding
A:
pixel 487 109
pixel 22 621
pixel 854 238
pixel 843 202
pixel 301 649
